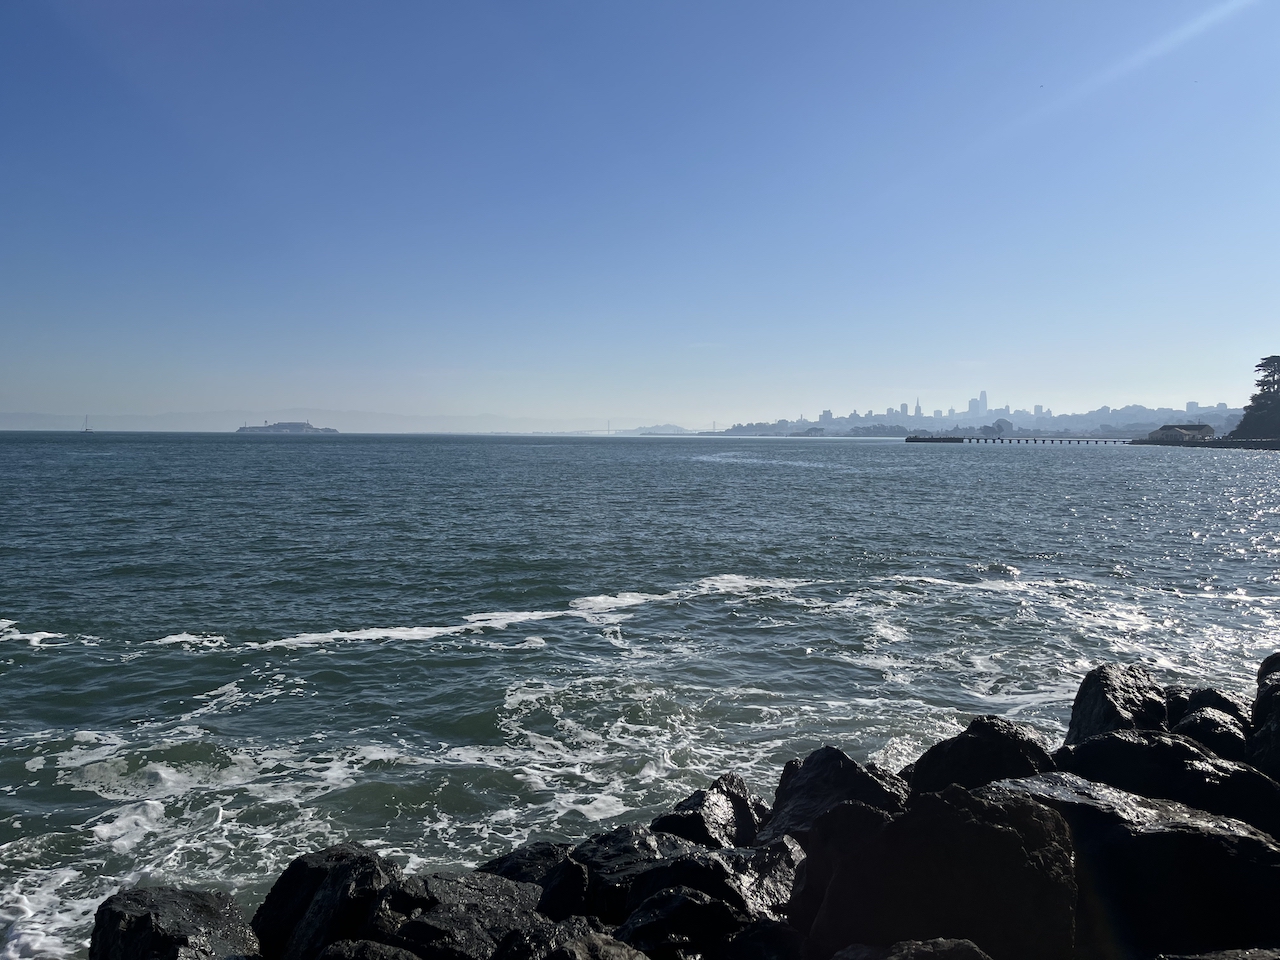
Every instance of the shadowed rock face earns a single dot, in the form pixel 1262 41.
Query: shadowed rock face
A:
pixel 1156 875
pixel 992 748
pixel 841 835
pixel 941 949
pixel 322 898
pixel 995 869
pixel 364 950
pixel 812 786
pixel 467 916
pixel 1216 730
pixel 1264 746
pixel 530 863
pixel 679 923
pixel 595 946
pixel 1171 767
pixel 726 814
pixel 1116 697
pixel 165 923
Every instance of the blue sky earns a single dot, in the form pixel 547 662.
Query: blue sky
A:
pixel 638 211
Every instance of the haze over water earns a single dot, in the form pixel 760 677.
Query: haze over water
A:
pixel 221 651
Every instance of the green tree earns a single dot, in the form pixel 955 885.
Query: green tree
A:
pixel 1261 418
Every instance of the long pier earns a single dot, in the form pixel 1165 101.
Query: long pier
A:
pixel 1037 440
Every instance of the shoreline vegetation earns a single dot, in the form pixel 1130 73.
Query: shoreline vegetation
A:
pixel 1152 831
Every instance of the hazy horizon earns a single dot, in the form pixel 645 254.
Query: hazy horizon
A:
pixel 666 213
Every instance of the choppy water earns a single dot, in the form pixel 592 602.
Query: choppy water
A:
pixel 220 651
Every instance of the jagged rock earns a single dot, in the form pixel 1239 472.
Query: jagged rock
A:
pixel 1228 703
pixel 595 946
pixel 994 868
pixel 726 814
pixel 1176 696
pixel 1224 955
pixel 941 949
pixel 537 943
pixel 322 898
pixel 530 863
pixel 597 877
pixel 680 923
pixel 990 749
pixel 756 882
pixel 1166 766
pixel 1220 732
pixel 1264 744
pixel 469 915
pixel 364 950
pixel 1116 697
pixel 810 787
pixel 166 923
pixel 764 940
pixel 841 835
pixel 1156 875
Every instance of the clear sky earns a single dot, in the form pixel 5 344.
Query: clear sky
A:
pixel 647 211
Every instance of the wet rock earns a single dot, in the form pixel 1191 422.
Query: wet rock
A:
pixel 1176 696
pixel 1229 704
pixel 595 946
pixel 1159 876
pixel 680 923
pixel 726 814
pixel 537 943
pixel 364 950
pixel 597 878
pixel 1116 697
pixel 764 940
pixel 469 915
pixel 810 787
pixel 995 868
pixel 322 898
pixel 940 949
pixel 1220 732
pixel 1167 766
pixel 1264 744
pixel 841 835
pixel 1260 954
pixel 756 882
pixel 530 863
pixel 990 749
pixel 166 923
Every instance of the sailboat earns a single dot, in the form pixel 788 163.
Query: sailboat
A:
pixel 87 428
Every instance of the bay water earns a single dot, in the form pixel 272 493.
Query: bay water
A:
pixel 220 651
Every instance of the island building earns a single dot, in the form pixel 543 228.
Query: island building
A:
pixel 291 426
pixel 1182 432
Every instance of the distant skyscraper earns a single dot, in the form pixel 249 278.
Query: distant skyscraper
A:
pixel 951 413
pixel 1039 410
pixel 974 410
pixel 982 403
pixel 937 414
pixel 903 409
pixel 918 413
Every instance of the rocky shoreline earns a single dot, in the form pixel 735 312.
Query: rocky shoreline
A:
pixel 1154 831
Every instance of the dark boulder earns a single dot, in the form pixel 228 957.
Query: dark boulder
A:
pixel 1220 732
pixel 990 749
pixel 597 877
pixel 1116 697
pixel 322 898
pixel 1264 744
pixel 1228 703
pixel 764 940
pixel 841 835
pixel 530 863
pixel 595 946
pixel 680 923
pixel 467 916
pixel 364 950
pixel 810 787
pixel 995 868
pixel 757 882
pixel 165 923
pixel 941 949
pixel 1156 875
pixel 1176 696
pixel 535 943
pixel 1167 766
pixel 1260 954
pixel 726 814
